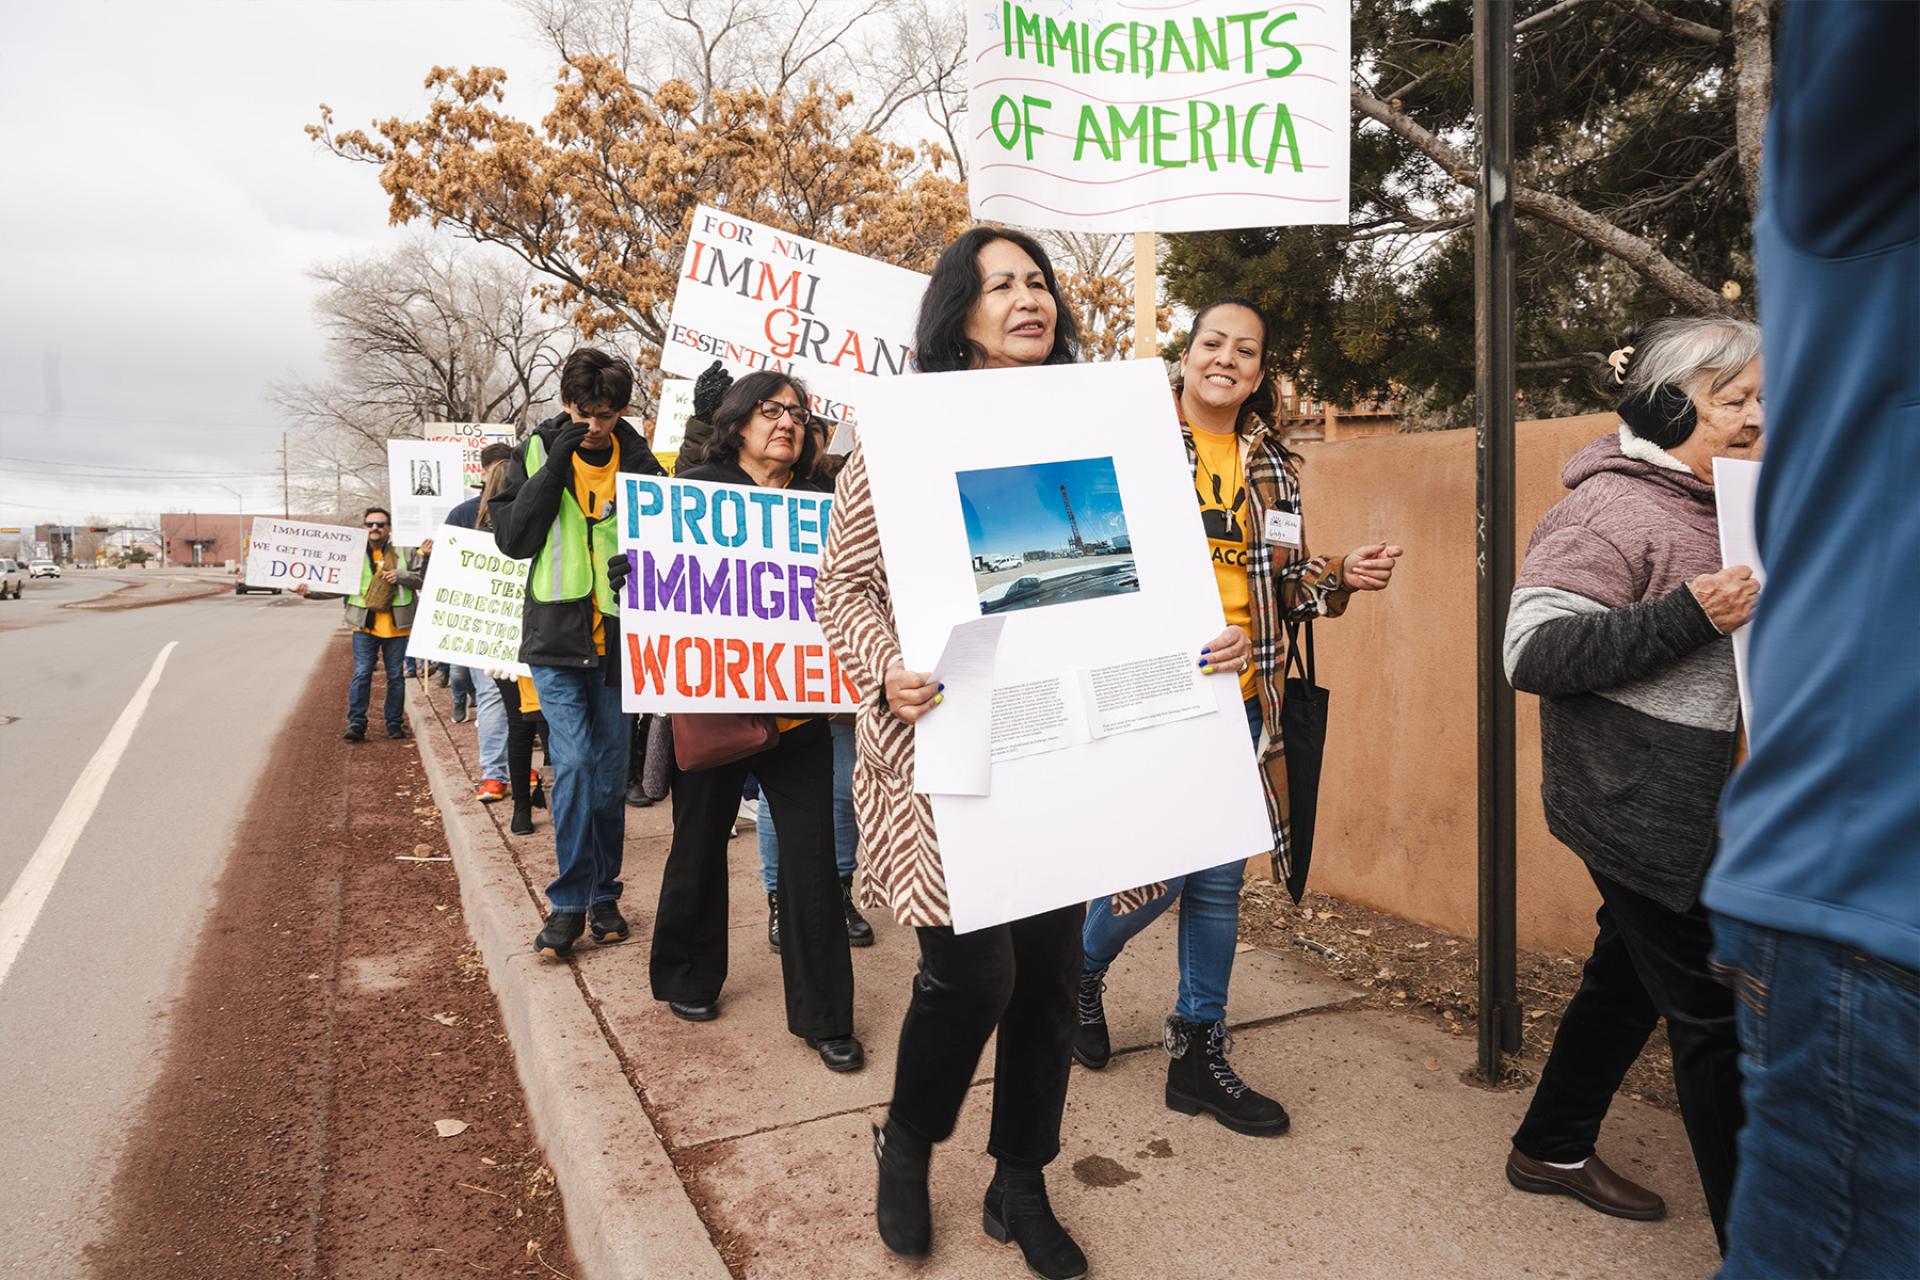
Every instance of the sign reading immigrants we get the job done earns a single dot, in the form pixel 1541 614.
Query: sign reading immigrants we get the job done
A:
pixel 717 614
pixel 1099 115
pixel 286 553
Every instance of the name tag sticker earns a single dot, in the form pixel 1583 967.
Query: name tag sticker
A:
pixel 1283 528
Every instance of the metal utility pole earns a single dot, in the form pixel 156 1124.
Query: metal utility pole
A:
pixel 1493 392
pixel 285 512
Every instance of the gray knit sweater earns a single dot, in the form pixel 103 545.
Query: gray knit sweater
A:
pixel 1639 710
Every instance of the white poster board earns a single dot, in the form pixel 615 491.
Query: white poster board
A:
pixel 1158 117
pixel 756 298
pixel 472 437
pixel 717 614
pixel 1736 482
pixel 470 603
pixel 676 406
pixel 286 553
pixel 423 484
pixel 1105 609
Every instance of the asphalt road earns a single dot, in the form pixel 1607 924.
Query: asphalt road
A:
pixel 84 1002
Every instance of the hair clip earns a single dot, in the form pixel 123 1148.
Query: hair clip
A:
pixel 1619 362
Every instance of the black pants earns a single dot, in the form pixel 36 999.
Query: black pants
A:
pixel 1020 978
pixel 520 734
pixel 1647 963
pixel 689 959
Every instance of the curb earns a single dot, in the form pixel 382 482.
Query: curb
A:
pixel 628 1215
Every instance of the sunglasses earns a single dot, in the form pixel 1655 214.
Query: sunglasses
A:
pixel 376 524
pixel 772 409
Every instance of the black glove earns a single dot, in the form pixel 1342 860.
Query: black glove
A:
pixel 560 456
pixel 618 567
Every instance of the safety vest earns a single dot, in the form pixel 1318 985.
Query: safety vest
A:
pixel 573 562
pixel 402 596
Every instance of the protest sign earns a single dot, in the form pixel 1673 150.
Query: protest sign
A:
pixel 423 484
pixel 286 553
pixel 756 298
pixel 1074 521
pixel 670 423
pixel 472 437
pixel 1168 117
pixel 717 614
pixel 1736 485
pixel 470 603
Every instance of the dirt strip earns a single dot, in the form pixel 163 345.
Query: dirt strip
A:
pixel 336 1024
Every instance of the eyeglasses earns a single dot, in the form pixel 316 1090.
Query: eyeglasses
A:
pixel 772 409
pixel 376 524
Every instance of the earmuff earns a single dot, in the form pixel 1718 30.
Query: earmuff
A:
pixel 1663 415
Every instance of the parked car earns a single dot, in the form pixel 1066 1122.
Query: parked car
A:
pixel 43 569
pixel 11 579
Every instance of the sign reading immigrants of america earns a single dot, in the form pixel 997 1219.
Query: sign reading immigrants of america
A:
pixel 1101 115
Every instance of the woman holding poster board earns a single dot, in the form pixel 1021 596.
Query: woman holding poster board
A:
pixel 993 302
pixel 760 439
pixel 1248 486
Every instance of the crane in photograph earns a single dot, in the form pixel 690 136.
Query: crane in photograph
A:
pixel 1073 525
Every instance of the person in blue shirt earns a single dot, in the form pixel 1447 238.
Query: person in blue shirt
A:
pixel 1816 892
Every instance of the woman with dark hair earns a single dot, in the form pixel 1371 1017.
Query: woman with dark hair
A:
pixel 760 440
pixel 1248 485
pixel 993 302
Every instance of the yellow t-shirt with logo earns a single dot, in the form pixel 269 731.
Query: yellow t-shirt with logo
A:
pixel 382 627
pixel 1220 482
pixel 594 488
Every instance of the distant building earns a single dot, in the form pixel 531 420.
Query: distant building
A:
pixel 210 538
pixel 1303 419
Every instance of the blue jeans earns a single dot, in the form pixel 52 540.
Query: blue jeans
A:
pixel 1829 1181
pixel 846 832
pixel 370 651
pixel 1209 926
pixel 589 737
pixel 491 713
pixel 460 684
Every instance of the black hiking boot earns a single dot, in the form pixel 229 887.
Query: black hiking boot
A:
pixel 1200 1079
pixel 563 929
pixel 859 932
pixel 901 1210
pixel 522 824
pixel 607 924
pixel 355 733
pixel 1017 1211
pixel 1092 1048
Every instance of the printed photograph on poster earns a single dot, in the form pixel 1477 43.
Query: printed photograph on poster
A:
pixel 423 484
pixel 428 479
pixel 1047 533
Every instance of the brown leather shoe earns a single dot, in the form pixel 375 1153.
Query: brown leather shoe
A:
pixel 1592 1184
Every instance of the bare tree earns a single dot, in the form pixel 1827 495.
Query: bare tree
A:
pixel 427 333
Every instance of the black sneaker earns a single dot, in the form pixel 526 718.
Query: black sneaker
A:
pixel 355 733
pixel 563 929
pixel 1200 1079
pixel 397 732
pixel 859 932
pixel 773 922
pixel 1092 1047
pixel 608 925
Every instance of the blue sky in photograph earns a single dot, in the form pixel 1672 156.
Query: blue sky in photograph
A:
pixel 1009 510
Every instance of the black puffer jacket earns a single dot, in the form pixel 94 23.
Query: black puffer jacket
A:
pixel 556 635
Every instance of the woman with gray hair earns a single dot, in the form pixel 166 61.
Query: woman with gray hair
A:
pixel 1619 621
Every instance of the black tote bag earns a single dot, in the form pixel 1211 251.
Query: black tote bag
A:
pixel 1303 734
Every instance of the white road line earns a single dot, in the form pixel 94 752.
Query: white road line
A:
pixel 29 893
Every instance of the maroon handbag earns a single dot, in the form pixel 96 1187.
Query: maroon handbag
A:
pixel 710 739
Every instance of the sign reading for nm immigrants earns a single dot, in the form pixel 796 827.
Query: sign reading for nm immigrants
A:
pixel 1194 115
pixel 755 298
pixel 717 614
pixel 470 603
pixel 286 553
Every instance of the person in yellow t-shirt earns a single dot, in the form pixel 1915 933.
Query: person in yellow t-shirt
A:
pixel 1248 486
pixel 381 613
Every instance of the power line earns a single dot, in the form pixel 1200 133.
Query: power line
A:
pixel 61 416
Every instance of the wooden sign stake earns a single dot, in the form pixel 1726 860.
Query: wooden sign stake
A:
pixel 1146 328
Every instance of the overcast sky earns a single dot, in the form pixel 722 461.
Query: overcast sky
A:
pixel 161 210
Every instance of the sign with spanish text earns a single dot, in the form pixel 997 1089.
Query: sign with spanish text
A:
pixel 287 553
pixel 423 483
pixel 670 423
pixel 472 437
pixel 470 603
pixel 717 613
pixel 755 298
pixel 1191 115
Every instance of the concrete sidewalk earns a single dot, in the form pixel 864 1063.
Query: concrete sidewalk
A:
pixel 680 1147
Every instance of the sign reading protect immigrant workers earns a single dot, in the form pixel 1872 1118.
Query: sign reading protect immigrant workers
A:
pixel 286 553
pixel 717 614
pixel 1099 115
pixel 755 298
pixel 470 603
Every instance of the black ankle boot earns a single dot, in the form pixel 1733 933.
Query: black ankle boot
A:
pixel 859 932
pixel 1200 1079
pixel 773 922
pixel 1017 1212
pixel 900 1205
pixel 1091 1047
pixel 522 824
pixel 562 930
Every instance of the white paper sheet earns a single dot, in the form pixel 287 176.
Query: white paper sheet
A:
pixel 424 482
pixel 952 751
pixel 1083 819
pixel 1735 483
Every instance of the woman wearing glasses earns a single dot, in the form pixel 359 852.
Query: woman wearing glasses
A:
pixel 760 439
